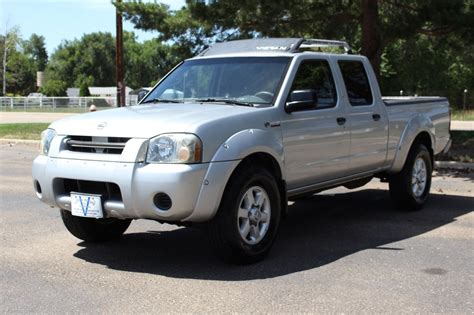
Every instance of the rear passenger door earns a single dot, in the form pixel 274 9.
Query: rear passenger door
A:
pixel 366 117
pixel 316 144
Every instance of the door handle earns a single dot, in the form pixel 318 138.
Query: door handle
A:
pixel 341 120
pixel 376 117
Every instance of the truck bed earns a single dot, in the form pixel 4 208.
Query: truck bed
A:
pixel 410 114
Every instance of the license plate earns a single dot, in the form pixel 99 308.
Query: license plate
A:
pixel 86 205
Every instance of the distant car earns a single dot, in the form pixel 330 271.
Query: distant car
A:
pixel 36 95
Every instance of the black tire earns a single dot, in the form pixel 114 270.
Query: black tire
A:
pixel 400 185
pixel 94 230
pixel 224 234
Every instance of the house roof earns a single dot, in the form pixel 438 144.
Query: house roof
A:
pixel 106 90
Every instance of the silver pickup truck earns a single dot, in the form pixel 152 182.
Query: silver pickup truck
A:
pixel 229 136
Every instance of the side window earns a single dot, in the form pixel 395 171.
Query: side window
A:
pixel 357 83
pixel 316 75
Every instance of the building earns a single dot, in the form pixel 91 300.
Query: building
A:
pixel 72 92
pixel 106 91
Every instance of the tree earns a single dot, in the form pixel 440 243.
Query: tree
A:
pixel 21 74
pixel 84 90
pixel 370 25
pixel 90 60
pixel 91 57
pixel 420 46
pixel 18 67
pixel 54 88
pixel 9 42
pixel 148 61
pixel 36 47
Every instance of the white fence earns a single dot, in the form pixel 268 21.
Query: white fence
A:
pixel 60 104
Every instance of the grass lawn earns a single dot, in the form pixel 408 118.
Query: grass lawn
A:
pixel 28 131
pixel 462 115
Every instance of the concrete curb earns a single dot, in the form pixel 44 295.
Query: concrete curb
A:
pixel 453 165
pixel 18 141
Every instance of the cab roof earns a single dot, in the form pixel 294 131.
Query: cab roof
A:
pixel 271 45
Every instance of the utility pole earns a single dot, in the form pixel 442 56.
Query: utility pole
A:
pixel 4 63
pixel 119 70
pixel 464 100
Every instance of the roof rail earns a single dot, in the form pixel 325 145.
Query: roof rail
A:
pixel 311 43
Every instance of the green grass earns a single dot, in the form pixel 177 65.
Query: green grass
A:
pixel 462 115
pixel 28 131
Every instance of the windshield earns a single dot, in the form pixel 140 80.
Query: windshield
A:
pixel 244 79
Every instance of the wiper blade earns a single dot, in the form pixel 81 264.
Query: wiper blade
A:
pixel 224 100
pixel 162 100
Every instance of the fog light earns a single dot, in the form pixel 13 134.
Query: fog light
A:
pixel 162 201
pixel 38 190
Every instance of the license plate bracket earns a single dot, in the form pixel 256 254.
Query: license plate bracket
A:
pixel 86 205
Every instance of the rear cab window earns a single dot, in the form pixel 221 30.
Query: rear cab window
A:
pixel 356 82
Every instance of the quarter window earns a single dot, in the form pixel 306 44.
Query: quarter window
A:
pixel 316 75
pixel 357 83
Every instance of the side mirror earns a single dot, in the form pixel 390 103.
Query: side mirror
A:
pixel 141 95
pixel 301 100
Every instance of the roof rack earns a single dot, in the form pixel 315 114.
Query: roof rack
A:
pixel 293 45
pixel 312 43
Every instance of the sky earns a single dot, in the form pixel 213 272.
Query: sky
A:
pixel 57 20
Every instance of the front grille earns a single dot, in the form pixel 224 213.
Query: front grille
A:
pixel 109 191
pixel 103 145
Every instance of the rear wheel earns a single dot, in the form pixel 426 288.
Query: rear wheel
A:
pixel 411 187
pixel 248 218
pixel 94 230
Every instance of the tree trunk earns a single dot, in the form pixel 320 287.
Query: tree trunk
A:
pixel 371 43
pixel 4 64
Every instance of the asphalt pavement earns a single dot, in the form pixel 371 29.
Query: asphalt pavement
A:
pixel 339 252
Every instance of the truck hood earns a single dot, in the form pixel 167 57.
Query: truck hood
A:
pixel 145 121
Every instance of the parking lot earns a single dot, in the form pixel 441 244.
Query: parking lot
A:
pixel 341 251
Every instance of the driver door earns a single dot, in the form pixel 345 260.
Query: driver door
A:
pixel 316 141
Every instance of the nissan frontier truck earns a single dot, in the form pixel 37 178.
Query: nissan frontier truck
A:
pixel 228 137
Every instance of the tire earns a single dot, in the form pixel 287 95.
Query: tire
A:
pixel 247 222
pixel 410 189
pixel 94 230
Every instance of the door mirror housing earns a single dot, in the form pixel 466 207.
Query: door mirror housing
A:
pixel 141 95
pixel 301 100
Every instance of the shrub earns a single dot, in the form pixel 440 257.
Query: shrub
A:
pixel 54 88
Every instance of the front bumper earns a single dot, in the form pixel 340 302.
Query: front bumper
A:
pixel 195 189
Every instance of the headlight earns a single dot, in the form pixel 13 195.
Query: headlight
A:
pixel 174 148
pixel 46 139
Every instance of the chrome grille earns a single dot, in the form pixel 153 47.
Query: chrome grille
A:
pixel 102 145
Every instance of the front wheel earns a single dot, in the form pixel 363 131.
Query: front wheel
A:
pixel 248 218
pixel 94 230
pixel 411 187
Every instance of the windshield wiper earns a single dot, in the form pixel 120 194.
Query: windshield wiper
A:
pixel 162 100
pixel 224 100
